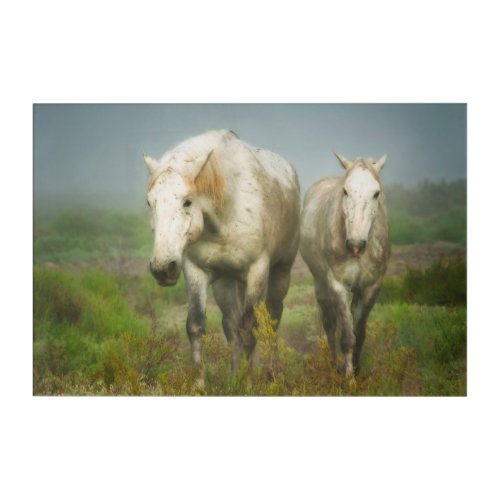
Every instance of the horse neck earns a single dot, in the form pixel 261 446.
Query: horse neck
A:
pixel 335 234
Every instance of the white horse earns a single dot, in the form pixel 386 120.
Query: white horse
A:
pixel 227 214
pixel 345 243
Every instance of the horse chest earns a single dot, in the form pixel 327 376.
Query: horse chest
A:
pixel 220 259
pixel 349 272
pixel 355 273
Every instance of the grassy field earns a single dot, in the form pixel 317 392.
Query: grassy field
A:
pixel 98 333
pixel 103 327
pixel 112 333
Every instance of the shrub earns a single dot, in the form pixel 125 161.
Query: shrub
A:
pixel 444 283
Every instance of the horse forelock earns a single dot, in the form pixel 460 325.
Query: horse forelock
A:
pixel 157 175
pixel 365 164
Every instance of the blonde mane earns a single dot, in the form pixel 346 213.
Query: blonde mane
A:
pixel 210 181
pixel 205 180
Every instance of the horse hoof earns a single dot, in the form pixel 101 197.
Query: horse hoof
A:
pixel 351 382
pixel 199 383
pixel 345 372
pixel 342 369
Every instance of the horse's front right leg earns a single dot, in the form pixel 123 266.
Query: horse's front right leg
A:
pixel 256 284
pixel 197 282
pixel 328 318
pixel 342 299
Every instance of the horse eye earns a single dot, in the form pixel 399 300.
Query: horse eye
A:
pixel 376 194
pixel 345 192
pixel 187 203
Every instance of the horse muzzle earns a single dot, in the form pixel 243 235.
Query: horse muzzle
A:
pixel 356 247
pixel 167 274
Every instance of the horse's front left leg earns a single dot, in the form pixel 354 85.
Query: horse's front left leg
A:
pixel 361 309
pixel 196 285
pixel 254 292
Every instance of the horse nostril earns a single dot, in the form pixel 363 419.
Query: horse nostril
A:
pixel 356 247
pixel 172 266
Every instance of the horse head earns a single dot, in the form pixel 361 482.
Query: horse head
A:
pixel 177 196
pixel 360 200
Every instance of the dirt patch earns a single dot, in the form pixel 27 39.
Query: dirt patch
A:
pixel 417 256
pixel 422 255
pixel 124 267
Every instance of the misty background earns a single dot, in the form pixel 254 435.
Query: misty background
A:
pixel 93 152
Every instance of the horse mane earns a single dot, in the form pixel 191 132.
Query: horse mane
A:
pixel 210 181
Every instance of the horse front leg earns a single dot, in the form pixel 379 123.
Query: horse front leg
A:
pixel 342 299
pixel 278 284
pixel 361 309
pixel 328 317
pixel 227 296
pixel 256 283
pixel 196 285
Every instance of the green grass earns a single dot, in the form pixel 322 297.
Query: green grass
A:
pixel 448 226
pixel 77 236
pixel 96 333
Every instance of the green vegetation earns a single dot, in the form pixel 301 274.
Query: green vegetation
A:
pixel 449 226
pixel 76 236
pixel 428 212
pixel 101 328
pixel 444 283
pixel 96 333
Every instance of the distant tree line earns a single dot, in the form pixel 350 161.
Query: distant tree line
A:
pixel 428 198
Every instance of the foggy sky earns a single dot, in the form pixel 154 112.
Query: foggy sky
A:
pixel 96 150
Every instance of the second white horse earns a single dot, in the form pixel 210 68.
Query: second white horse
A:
pixel 345 243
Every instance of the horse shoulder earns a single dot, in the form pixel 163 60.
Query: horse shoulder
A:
pixel 239 220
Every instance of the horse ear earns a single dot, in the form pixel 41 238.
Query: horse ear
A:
pixel 151 164
pixel 379 165
pixel 344 161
